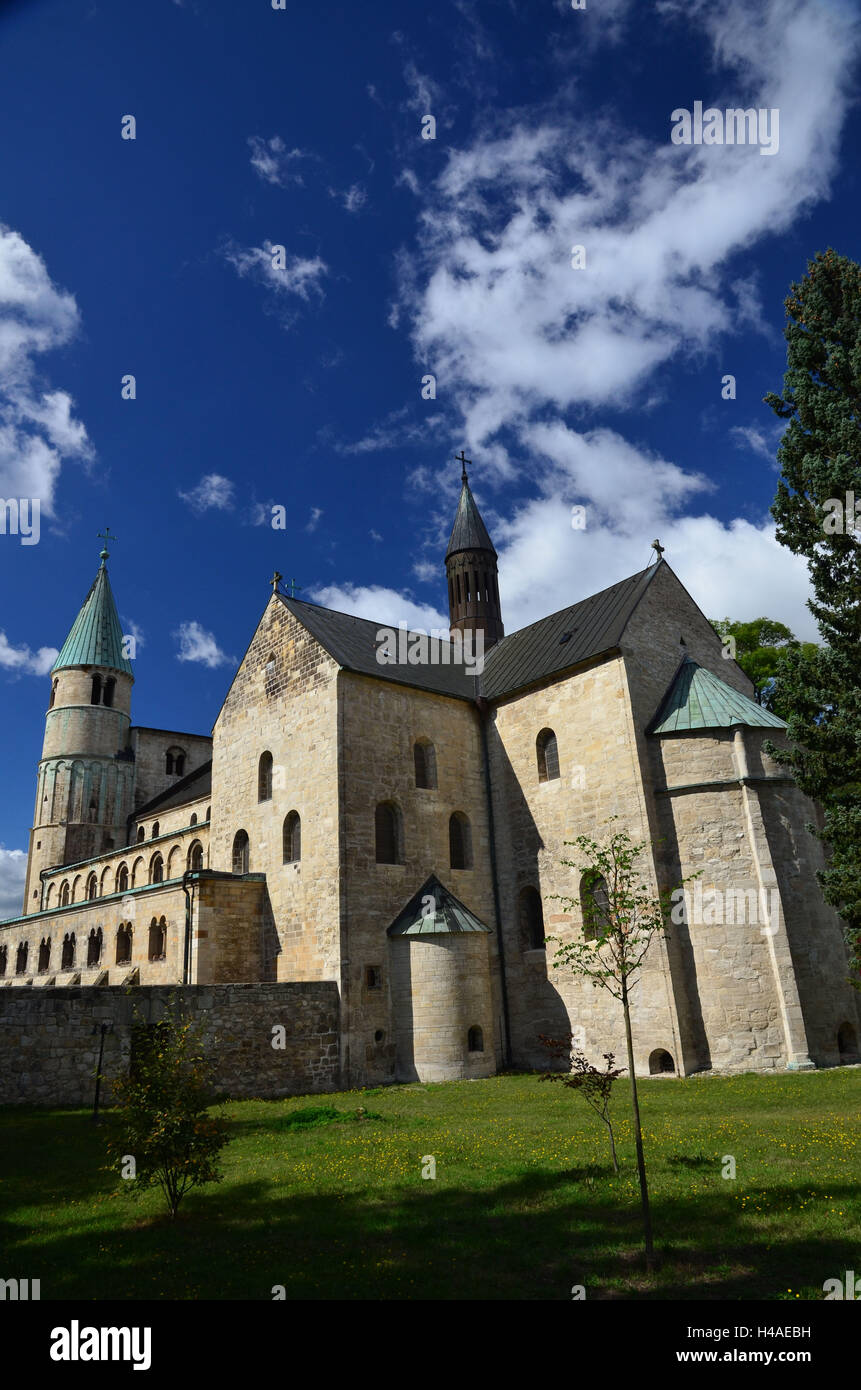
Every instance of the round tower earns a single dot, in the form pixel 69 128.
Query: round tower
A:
pixel 471 570
pixel 86 772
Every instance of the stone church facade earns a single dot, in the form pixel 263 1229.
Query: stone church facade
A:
pixel 399 828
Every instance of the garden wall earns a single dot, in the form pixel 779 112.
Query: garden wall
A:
pixel 49 1038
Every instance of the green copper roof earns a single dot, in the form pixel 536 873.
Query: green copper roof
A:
pixel 469 531
pixel 434 911
pixel 698 699
pixel 96 638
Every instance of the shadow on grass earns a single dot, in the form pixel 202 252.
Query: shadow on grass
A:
pixel 529 1238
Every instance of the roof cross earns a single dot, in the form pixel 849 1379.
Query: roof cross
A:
pixel 459 458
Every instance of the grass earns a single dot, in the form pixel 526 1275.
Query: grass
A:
pixel 332 1204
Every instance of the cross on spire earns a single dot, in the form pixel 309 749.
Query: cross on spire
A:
pixel 658 548
pixel 106 536
pixel 274 581
pixel 463 461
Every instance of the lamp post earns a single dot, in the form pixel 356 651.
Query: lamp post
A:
pixel 101 1029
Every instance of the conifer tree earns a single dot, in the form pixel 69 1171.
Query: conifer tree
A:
pixel 815 512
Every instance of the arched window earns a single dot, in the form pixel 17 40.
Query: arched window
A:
pixel 155 828
pixel 50 895
pixel 137 872
pixel 387 834
pixel 195 857
pixel 108 693
pixel 156 869
pixel 4 957
pixel 594 905
pixel 264 777
pixel 122 878
pixel 179 764
pixel 94 947
pixel 64 893
pixel 208 810
pixel 44 955
pixel 21 959
pixel 92 888
pixel 475 1040
pixel 240 852
pixel 291 836
pixel 531 920
pixel 93 810
pixel 424 756
pixel 124 943
pixel 548 756
pixel 141 833
pixel 193 820
pixel 54 685
pixel 460 841
pixel 661 1061
pixel 847 1043
pixel 103 882
pixel 76 883
pixel 96 690
pixel 67 960
pixel 157 939
pixel 173 862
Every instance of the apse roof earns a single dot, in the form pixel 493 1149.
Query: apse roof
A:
pixel 96 637
pixel 435 911
pixel 698 699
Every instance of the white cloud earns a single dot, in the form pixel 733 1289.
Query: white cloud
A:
pixel 37 427
pixel 531 350
pixel 353 199
pixel 385 606
pixel 196 644
pixel 13 872
pixel 25 661
pixel 274 163
pixel 316 513
pixel 213 491
pixel 758 440
pixel 298 278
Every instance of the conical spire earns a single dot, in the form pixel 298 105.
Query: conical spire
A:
pixel 470 565
pixel 469 531
pixel 96 638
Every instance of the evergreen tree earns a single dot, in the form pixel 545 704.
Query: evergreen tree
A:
pixel 757 647
pixel 815 512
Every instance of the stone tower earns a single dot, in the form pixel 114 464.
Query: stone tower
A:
pixel 86 773
pixel 470 566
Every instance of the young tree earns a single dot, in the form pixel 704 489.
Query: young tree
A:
pixel 162 1109
pixel 758 647
pixel 817 516
pixel 596 1086
pixel 620 918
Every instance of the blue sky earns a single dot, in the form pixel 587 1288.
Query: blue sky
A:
pixel 294 379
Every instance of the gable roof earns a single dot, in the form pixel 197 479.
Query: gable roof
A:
pixel 698 699
pixel 96 638
pixel 595 625
pixel 191 787
pixel 450 915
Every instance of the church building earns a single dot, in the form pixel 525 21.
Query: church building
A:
pixel 399 827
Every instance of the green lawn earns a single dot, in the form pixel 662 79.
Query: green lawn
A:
pixel 524 1204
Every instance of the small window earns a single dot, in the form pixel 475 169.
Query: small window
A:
pixel 208 812
pixel 157 939
pixel 108 692
pixel 292 838
pixel 387 833
pixel 155 830
pixel 67 960
pixel 193 820
pixel 92 888
pixel 96 690
pixel 195 857
pixel 156 869
pixel 53 694
pixel 595 906
pixel 531 920
pixel 424 757
pixel 264 777
pixel 141 833
pixel 124 944
pixel 122 878
pixel 4 957
pixel 373 977
pixel 475 1040
pixel 64 894
pixel 460 841
pixel 548 756
pixel 94 947
pixel 240 852
pixel 21 959
pixel 661 1062
pixel 44 955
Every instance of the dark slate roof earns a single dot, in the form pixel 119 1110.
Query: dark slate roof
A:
pixel 698 699
pixel 469 531
pixel 353 644
pixel 449 916
pixel 96 638
pixel 189 788
pixel 595 626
